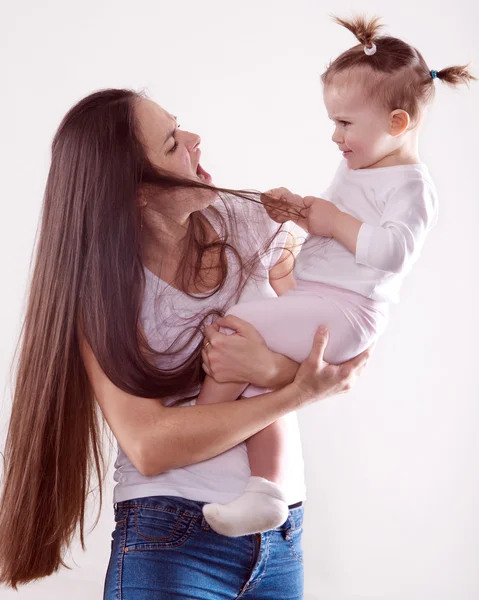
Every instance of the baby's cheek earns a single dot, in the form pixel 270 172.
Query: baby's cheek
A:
pixel 364 147
pixel 356 144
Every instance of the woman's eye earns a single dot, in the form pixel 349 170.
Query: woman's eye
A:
pixel 345 123
pixel 175 145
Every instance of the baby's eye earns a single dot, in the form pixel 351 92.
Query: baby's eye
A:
pixel 345 123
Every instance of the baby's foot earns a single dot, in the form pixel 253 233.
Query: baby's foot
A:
pixel 262 506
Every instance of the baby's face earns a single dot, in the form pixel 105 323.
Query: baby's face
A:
pixel 362 127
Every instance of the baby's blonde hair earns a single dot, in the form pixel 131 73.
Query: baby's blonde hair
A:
pixel 402 78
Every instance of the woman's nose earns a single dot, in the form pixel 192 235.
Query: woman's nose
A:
pixel 193 141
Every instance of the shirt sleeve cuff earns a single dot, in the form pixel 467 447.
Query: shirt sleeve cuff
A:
pixel 363 242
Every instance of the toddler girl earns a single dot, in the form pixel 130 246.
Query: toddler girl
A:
pixel 376 214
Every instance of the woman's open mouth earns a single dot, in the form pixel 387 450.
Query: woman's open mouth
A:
pixel 203 175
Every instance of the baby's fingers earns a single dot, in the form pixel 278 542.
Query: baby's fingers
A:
pixel 279 193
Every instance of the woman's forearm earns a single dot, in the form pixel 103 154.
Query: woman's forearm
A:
pixel 157 438
pixel 186 435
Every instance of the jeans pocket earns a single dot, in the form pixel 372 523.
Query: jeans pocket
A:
pixel 156 528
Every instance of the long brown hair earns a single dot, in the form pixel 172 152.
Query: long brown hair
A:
pixel 401 77
pixel 88 275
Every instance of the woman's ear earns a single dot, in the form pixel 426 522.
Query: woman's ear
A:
pixel 398 122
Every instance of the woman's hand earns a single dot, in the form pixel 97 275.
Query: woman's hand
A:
pixel 244 357
pixel 317 379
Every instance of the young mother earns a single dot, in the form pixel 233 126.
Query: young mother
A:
pixel 137 255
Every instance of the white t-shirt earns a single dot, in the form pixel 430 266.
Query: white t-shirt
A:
pixel 166 313
pixel 398 206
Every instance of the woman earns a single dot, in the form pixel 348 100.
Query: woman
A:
pixel 135 257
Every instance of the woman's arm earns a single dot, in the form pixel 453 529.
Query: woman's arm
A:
pixel 157 438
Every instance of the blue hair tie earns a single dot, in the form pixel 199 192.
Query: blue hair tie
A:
pixel 434 74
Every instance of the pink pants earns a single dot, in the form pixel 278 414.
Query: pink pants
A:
pixel 288 323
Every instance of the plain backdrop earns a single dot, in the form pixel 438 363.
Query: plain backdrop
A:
pixel 393 467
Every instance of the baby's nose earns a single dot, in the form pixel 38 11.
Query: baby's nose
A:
pixel 337 137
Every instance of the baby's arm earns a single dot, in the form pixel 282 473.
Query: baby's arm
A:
pixel 389 246
pixel 325 219
pixel 315 215
pixel 408 216
pixel 213 392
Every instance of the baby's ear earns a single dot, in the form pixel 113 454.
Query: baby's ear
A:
pixel 398 122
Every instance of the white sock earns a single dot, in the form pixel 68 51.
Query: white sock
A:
pixel 262 506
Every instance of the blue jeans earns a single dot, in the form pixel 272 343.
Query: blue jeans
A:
pixel 163 549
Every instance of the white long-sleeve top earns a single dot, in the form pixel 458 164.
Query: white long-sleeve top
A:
pixel 398 206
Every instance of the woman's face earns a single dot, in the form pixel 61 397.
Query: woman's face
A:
pixel 176 151
pixel 167 146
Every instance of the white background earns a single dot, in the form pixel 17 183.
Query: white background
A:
pixel 393 467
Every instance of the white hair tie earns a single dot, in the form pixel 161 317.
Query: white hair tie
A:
pixel 370 51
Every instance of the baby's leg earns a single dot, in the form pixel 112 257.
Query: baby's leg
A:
pixel 262 506
pixel 266 450
pixel 288 325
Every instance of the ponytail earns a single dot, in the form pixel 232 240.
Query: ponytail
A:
pixel 455 76
pixel 365 30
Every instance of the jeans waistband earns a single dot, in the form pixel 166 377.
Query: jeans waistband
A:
pixel 194 507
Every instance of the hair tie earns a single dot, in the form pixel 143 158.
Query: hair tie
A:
pixel 370 51
pixel 434 74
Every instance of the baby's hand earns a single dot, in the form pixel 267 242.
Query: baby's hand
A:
pixel 282 205
pixel 321 215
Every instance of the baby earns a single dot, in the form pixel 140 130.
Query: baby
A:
pixel 376 214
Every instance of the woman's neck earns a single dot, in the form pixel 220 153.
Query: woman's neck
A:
pixel 162 232
pixel 164 244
